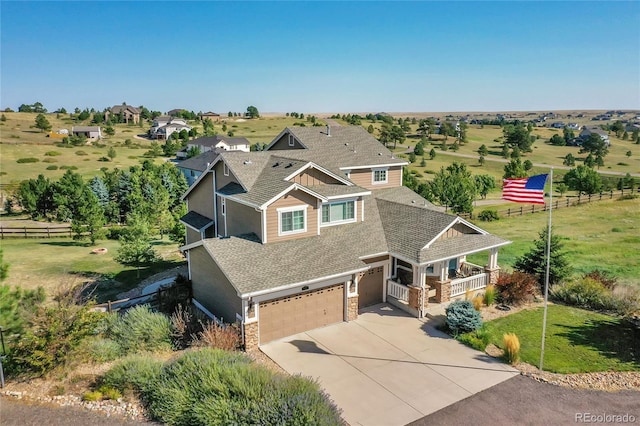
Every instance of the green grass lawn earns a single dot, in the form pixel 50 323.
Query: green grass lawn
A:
pixel 55 262
pixel 601 235
pixel 577 341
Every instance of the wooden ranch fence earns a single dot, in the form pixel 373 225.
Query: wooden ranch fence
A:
pixel 35 231
pixel 521 209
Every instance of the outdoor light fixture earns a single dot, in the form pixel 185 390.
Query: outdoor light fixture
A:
pixel 306 287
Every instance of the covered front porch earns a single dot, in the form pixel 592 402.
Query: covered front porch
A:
pixel 412 287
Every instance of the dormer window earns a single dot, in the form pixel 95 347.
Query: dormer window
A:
pixel 338 212
pixel 380 176
pixel 292 220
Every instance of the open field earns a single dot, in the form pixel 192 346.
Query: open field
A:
pixel 56 262
pixel 577 341
pixel 601 235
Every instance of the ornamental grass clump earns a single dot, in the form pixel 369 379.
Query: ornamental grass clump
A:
pixel 511 347
pixel 489 295
pixel 141 329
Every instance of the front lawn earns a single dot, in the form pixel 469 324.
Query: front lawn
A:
pixel 577 341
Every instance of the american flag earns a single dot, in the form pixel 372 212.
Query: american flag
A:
pixel 525 190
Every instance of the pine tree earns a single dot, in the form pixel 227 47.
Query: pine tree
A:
pixel 535 261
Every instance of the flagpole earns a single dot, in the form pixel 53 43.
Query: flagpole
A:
pixel 546 277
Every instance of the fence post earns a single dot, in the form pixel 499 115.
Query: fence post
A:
pixel 533 208
pixel 568 202
pixel 1 233
pixel 520 210
pixel 509 212
pixel 48 232
pixel 579 197
pixel 556 204
pixel 109 306
pixel 610 193
pixel 600 195
pixel 159 299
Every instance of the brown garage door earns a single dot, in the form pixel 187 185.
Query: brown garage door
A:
pixel 306 311
pixel 370 287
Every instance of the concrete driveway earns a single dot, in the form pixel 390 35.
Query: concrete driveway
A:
pixel 387 368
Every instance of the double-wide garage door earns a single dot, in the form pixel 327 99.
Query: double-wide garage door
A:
pixel 301 312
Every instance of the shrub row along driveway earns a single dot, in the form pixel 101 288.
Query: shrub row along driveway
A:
pixel 387 368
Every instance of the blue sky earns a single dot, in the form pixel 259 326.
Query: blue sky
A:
pixel 322 56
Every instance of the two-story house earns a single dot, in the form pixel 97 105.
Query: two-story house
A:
pixel 216 143
pixel 316 227
pixel 163 126
pixel 127 112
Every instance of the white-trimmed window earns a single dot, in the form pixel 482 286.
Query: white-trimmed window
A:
pixel 380 176
pixel 292 140
pixel 292 220
pixel 225 169
pixel 338 212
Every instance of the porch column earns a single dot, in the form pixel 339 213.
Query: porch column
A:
pixel 352 297
pixel 443 285
pixel 492 267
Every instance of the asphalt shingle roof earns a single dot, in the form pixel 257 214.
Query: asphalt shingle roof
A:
pixel 199 162
pixel 348 146
pixel 211 141
pixel 196 220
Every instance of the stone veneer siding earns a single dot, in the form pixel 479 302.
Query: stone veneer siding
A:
pixel 352 308
pixel 415 296
pixel 493 274
pixel 251 339
pixel 443 291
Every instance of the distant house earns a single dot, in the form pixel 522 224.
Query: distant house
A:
pixel 89 132
pixel 217 143
pixel 163 126
pixel 586 132
pixel 558 125
pixel 175 112
pixel 573 126
pixel 193 167
pixel 128 113
pixel 213 116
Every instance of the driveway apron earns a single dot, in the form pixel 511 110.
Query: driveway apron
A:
pixel 386 367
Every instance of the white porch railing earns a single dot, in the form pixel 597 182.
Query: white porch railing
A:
pixel 461 285
pixel 399 291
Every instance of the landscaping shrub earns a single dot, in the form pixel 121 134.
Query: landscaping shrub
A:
pixel 27 160
pixel 511 347
pixel 517 288
pixel 98 349
pixel 92 396
pixel 462 317
pixel 52 153
pixel 140 329
pixel 68 168
pixel 52 167
pixel 583 292
pixel 50 160
pixel 591 294
pixel 478 339
pixel 109 393
pixel 184 326
pixel 489 297
pixel 81 152
pixel 135 372
pixel 488 215
pixel 52 332
pixel 607 280
pixel 211 386
pixel 214 335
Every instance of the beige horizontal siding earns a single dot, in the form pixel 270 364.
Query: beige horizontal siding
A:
pixel 311 177
pixel 293 198
pixel 364 178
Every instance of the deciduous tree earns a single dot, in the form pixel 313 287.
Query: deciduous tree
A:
pixel 454 187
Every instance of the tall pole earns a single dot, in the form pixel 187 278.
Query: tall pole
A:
pixel 546 276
